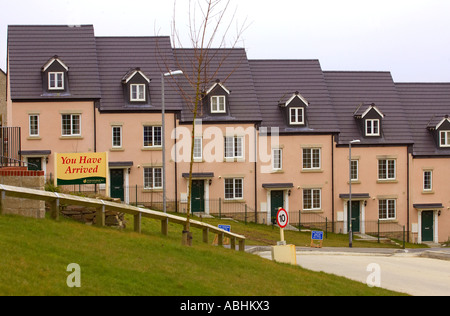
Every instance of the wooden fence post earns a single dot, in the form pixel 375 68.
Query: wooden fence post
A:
pixel 205 235
pixel 2 202
pixel 241 244
pixel 100 216
pixel 165 227
pixel 137 223
pixel 54 208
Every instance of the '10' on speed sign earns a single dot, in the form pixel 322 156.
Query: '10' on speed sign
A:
pixel 282 218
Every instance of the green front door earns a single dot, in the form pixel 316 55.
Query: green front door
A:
pixel 35 164
pixel 276 202
pixel 198 196
pixel 117 190
pixel 354 216
pixel 427 226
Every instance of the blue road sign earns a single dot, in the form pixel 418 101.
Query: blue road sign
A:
pixel 225 228
pixel 317 235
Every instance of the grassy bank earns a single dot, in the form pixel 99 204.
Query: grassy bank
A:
pixel 36 253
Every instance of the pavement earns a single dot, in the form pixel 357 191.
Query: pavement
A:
pixel 418 272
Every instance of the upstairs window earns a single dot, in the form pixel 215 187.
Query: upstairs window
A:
pixel 296 116
pixel 386 169
pixel 137 92
pixel 152 136
pixel 372 127
pixel 71 125
pixel 34 125
pixel 234 147
pixel 445 138
pixel 218 104
pixel 56 81
pixel 311 158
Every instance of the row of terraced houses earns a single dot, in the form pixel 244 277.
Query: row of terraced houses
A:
pixel 273 133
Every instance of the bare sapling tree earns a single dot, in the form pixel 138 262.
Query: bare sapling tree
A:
pixel 208 29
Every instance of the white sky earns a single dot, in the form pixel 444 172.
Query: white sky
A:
pixel 410 38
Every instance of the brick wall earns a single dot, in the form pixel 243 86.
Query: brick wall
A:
pixel 21 177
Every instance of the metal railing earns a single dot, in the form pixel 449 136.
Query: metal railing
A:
pixel 10 151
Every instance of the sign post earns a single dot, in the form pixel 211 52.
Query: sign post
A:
pixel 282 221
pixel 282 252
pixel 316 236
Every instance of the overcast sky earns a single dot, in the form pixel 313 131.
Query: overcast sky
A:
pixel 409 38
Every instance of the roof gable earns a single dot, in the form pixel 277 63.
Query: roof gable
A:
pixel 52 61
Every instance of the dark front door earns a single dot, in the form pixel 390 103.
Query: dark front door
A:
pixel 427 226
pixel 117 189
pixel 355 213
pixel 198 196
pixel 276 202
pixel 35 164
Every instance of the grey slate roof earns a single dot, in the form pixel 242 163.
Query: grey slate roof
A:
pixel 278 80
pixel 30 47
pixel 348 90
pixel 425 104
pixel 234 73
pixel 118 55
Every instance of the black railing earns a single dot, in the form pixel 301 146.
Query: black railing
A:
pixel 10 151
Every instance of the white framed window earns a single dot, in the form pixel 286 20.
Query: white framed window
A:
pixel 152 136
pixel 218 104
pixel 386 169
pixel 311 158
pixel 312 199
pixel 428 180
pixel 153 178
pixel 234 147
pixel 55 80
pixel 277 159
pixel 372 127
pixel 234 189
pixel 137 92
pixel 296 116
pixel 117 136
pixel 71 124
pixel 198 148
pixel 33 125
pixel 355 170
pixel 445 138
pixel 387 209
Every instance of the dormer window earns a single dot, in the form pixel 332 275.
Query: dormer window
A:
pixel 55 76
pixel 440 131
pixel 218 104
pixel 137 92
pixel 294 109
pixel 135 85
pixel 216 99
pixel 370 120
pixel 372 127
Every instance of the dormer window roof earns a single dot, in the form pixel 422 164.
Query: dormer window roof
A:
pixel 441 131
pixel 216 98
pixel 54 75
pixel 370 119
pixel 135 84
pixel 294 109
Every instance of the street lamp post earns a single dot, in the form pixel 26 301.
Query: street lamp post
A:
pixel 163 132
pixel 349 210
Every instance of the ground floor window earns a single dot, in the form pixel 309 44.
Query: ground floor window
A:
pixel 387 209
pixel 312 199
pixel 153 178
pixel 234 189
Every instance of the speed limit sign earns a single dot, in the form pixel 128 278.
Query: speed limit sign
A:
pixel 282 218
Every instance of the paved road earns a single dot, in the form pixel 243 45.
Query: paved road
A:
pixel 406 272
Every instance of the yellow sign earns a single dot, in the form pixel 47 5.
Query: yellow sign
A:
pixel 81 168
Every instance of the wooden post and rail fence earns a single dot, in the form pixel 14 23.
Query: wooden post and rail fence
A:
pixel 56 199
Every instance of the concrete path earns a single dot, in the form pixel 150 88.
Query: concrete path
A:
pixel 414 272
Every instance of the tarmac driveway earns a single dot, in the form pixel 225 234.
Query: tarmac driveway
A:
pixel 406 272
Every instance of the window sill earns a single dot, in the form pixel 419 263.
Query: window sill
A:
pixel 151 148
pixel 72 137
pixel 312 211
pixel 312 171
pixel 151 190
pixel 387 181
pixel 34 138
pixel 428 192
pixel 234 201
pixel 234 160
pixel 117 149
